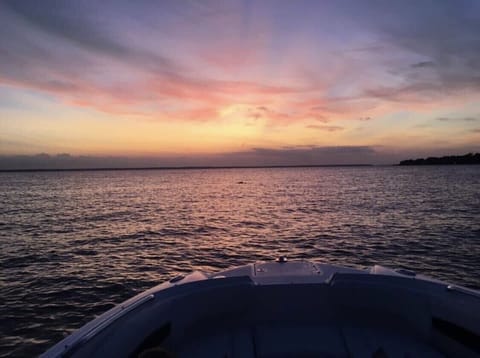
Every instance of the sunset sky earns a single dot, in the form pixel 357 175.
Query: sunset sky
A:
pixel 141 83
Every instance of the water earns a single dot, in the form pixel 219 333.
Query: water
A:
pixel 72 244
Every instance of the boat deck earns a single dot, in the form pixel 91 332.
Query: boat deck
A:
pixel 307 340
pixel 287 310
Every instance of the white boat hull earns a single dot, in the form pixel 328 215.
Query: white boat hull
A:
pixel 289 309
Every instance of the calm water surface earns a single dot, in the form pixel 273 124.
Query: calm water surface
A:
pixel 72 244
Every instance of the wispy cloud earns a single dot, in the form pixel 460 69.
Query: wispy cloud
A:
pixel 462 119
pixel 325 127
pixel 68 51
pixel 423 64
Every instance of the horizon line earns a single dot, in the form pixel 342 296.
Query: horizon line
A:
pixel 191 167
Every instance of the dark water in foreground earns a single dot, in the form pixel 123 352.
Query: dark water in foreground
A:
pixel 72 244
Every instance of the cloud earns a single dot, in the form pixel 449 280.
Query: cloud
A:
pixel 257 112
pixel 273 117
pixel 68 21
pixel 296 155
pixel 423 125
pixel 201 114
pixel 70 51
pixel 80 54
pixel 302 155
pixel 159 60
pixel 445 36
pixel 463 119
pixel 423 64
pixel 325 127
pixel 313 155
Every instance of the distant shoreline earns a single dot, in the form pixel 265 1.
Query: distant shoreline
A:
pixel 431 161
pixel 187 168
pixel 467 159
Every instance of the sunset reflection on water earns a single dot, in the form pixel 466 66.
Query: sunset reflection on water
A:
pixel 82 241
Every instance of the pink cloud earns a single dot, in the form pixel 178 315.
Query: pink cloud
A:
pixel 325 127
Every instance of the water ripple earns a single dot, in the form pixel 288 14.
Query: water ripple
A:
pixel 73 244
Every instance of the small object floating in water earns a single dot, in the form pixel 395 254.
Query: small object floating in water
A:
pixel 240 182
pixel 287 308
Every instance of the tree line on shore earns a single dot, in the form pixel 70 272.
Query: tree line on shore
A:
pixel 470 158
